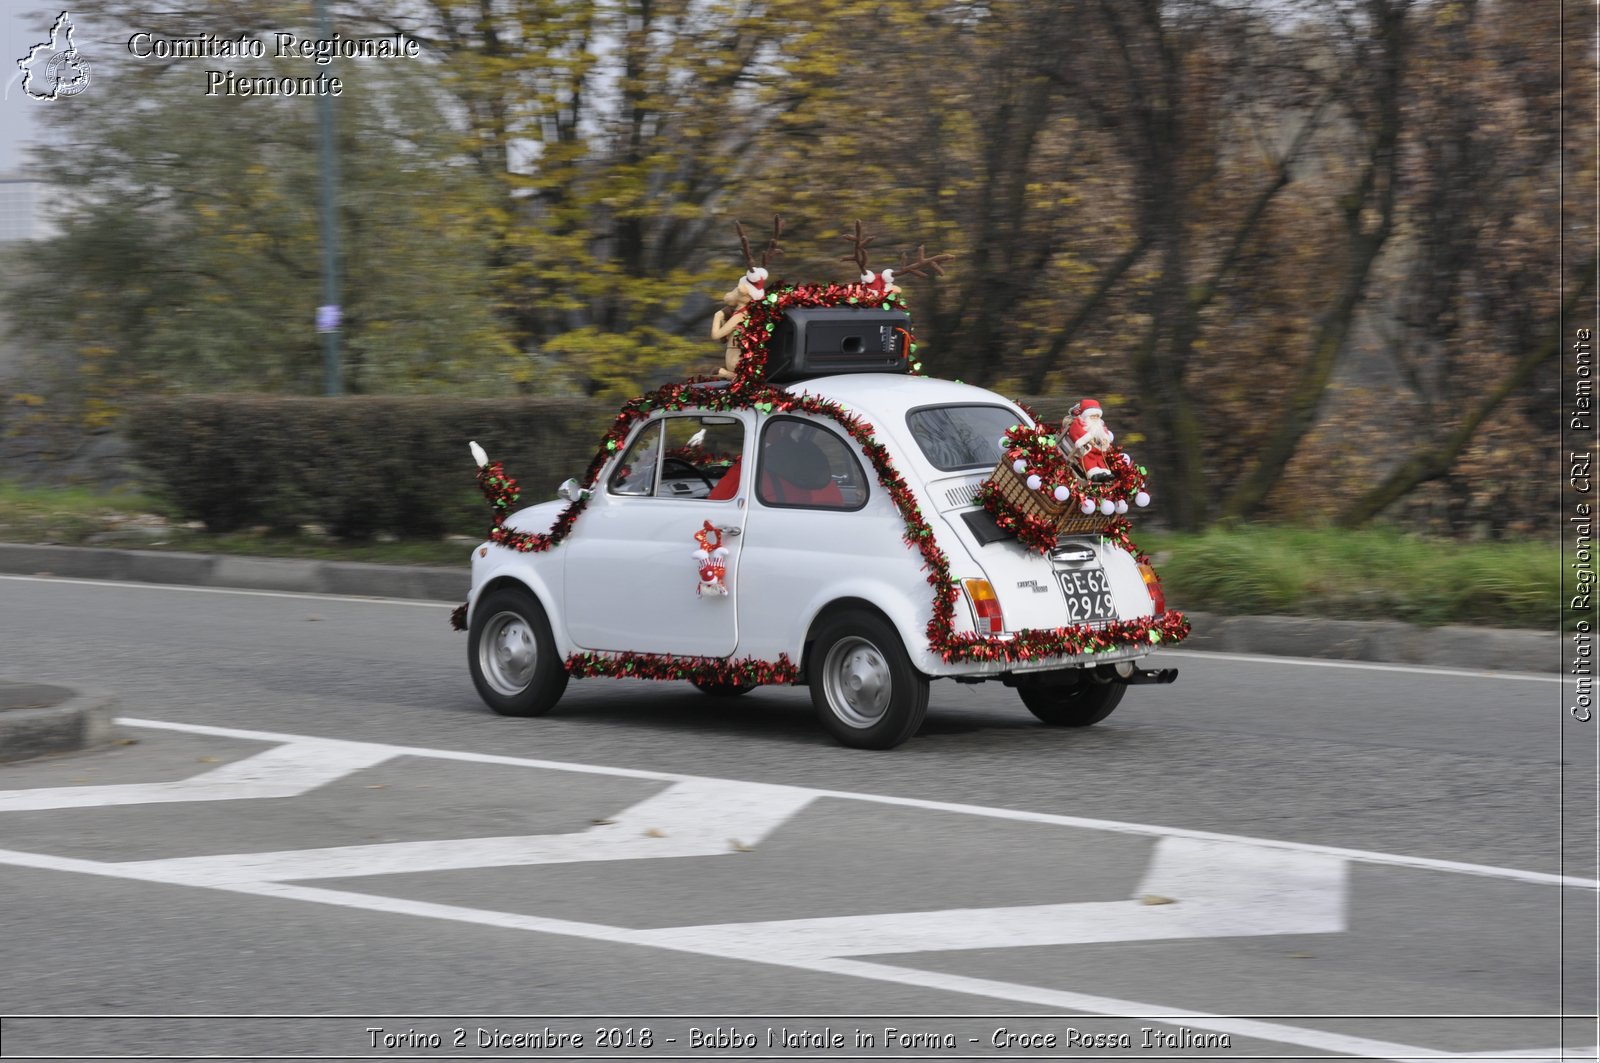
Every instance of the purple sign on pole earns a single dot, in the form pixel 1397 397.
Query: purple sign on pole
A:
pixel 328 318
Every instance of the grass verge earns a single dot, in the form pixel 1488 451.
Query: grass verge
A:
pixel 1365 575
pixel 1360 575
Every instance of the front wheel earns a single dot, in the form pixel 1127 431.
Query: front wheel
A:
pixel 1073 699
pixel 863 686
pixel 512 655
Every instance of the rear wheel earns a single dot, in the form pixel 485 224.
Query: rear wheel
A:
pixel 1069 699
pixel 723 690
pixel 512 655
pixel 863 686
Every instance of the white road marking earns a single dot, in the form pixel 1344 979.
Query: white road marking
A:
pixel 421 603
pixel 1225 890
pixel 1011 992
pixel 289 770
pixel 1224 885
pixel 1421 863
pixel 1542 1055
pixel 693 818
pixel 1366 666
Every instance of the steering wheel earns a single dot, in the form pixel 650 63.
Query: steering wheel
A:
pixel 690 466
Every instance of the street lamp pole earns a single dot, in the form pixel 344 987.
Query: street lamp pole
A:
pixel 329 313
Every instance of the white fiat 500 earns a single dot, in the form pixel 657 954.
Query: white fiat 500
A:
pixel 734 544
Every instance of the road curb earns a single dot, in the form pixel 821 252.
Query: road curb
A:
pixel 351 578
pixel 1388 641
pixel 41 718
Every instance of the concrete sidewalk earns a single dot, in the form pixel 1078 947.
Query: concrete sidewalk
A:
pixel 1454 646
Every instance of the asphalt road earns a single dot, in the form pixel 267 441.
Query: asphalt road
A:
pixel 1304 858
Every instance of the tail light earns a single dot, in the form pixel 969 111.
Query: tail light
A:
pixel 985 606
pixel 1152 583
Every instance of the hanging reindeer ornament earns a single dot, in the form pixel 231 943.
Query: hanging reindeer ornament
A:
pixel 752 287
pixel 712 559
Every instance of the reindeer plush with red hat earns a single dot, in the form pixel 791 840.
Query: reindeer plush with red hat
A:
pixel 752 287
pixel 882 281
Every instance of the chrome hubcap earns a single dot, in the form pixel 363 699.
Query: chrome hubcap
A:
pixel 508 653
pixel 857 680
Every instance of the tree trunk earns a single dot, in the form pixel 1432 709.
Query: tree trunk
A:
pixel 1375 191
pixel 1436 462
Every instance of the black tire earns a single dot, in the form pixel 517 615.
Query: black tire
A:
pixel 723 690
pixel 863 686
pixel 1069 699
pixel 512 654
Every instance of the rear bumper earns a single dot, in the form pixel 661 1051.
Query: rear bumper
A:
pixel 1110 649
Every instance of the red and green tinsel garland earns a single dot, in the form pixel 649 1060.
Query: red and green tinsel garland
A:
pixel 749 391
pixel 746 671
pixel 502 492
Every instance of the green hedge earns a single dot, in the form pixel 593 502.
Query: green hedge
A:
pixel 358 466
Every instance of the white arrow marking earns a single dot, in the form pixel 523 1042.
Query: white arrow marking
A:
pixel 696 818
pixel 1276 875
pixel 287 771
pixel 1222 891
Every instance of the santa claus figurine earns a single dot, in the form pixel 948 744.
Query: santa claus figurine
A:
pixel 1089 440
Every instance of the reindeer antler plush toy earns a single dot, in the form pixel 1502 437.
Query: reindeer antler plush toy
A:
pixel 882 281
pixel 859 242
pixel 751 287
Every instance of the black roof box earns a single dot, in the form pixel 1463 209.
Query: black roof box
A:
pixel 822 341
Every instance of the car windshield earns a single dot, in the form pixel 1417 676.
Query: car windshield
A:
pixel 960 437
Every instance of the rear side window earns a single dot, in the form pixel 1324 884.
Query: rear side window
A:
pixel 805 465
pixel 960 437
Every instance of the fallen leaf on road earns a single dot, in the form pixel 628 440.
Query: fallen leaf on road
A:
pixel 209 760
pixel 656 832
pixel 739 846
pixel 1153 898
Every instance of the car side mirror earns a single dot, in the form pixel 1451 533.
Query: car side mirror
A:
pixel 571 490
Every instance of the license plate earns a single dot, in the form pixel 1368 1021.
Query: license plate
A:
pixel 1088 596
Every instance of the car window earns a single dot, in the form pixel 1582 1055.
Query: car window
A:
pixel 805 465
pixel 960 437
pixel 636 473
pixel 687 456
pixel 702 453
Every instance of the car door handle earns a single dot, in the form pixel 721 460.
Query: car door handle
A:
pixel 731 532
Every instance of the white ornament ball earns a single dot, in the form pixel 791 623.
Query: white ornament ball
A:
pixel 1062 494
pixel 1122 507
pixel 1142 498
pixel 1087 506
pixel 1034 483
pixel 1107 506
pixel 1019 466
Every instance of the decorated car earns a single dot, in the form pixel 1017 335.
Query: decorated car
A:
pixel 828 516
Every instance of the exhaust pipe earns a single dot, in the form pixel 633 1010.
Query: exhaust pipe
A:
pixel 1125 672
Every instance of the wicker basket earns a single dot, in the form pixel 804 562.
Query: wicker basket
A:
pixel 1064 516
